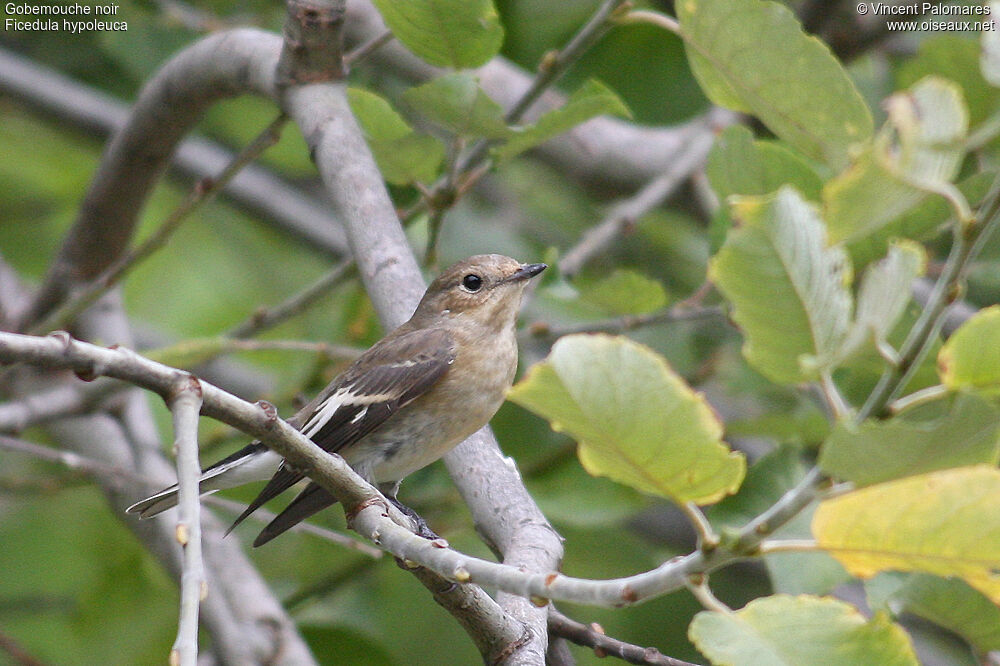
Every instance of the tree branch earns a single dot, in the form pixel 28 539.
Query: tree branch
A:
pixel 245 621
pixel 500 505
pixel 604 152
pixel 383 523
pixel 689 157
pixel 390 274
pixel 682 311
pixel 255 189
pixel 593 636
pixel 184 404
pixel 222 65
pixel 202 193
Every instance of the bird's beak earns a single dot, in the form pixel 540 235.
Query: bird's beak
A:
pixel 527 271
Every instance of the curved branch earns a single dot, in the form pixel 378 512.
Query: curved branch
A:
pixel 255 189
pixel 222 65
pixel 383 524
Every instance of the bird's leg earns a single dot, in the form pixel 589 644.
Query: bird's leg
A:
pixel 420 525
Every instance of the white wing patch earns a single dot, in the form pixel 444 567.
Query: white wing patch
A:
pixel 360 415
pixel 325 411
pixel 342 397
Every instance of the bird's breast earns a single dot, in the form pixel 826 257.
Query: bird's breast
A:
pixel 461 403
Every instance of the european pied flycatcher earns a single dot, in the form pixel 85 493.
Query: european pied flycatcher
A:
pixel 405 402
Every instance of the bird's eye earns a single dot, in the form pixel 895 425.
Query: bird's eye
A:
pixel 472 282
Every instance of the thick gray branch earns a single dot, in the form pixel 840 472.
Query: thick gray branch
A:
pixel 500 505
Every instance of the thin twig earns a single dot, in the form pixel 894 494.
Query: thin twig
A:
pixel 834 400
pixel 266 318
pixel 93 467
pixel 68 459
pixel 19 656
pixel 707 538
pixel 674 313
pixel 264 515
pixel 920 397
pixel 185 407
pixel 658 19
pixel 698 586
pixel 202 193
pixel 593 636
pixel 197 351
pixel 322 587
pixel 366 49
pixel 789 546
pixel 623 216
pixel 475 164
pixel 53 403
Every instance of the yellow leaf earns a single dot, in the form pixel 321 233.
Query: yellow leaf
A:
pixel 945 523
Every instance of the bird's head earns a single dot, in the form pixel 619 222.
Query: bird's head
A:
pixel 486 285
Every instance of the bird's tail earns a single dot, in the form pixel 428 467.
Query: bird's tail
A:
pixel 254 462
pixel 305 504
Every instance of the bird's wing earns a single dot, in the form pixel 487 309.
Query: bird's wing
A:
pixel 390 375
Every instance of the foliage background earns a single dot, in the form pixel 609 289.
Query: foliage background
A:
pixel 77 588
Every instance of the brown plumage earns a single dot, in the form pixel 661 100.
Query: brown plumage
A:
pixel 405 402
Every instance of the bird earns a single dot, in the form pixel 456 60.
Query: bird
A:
pixel 404 403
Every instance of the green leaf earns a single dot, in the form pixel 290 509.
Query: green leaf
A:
pixel 971 357
pixel 788 289
pixel 457 103
pixel 919 223
pixel 876 451
pixel 447 33
pixel 918 150
pixel 403 155
pixel 753 56
pixel 627 292
pixel 782 630
pixel 945 523
pixel 956 58
pixel 635 419
pixel 947 602
pixel 884 294
pixel 739 165
pixel 807 427
pixel 591 99
pixel 857 376
pixel 567 495
pixel 766 481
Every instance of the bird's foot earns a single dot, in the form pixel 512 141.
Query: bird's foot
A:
pixel 419 524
